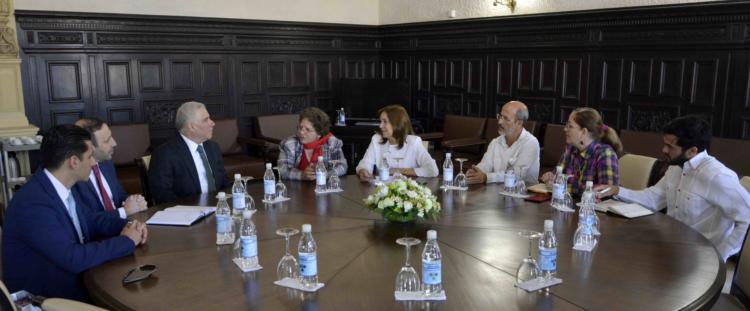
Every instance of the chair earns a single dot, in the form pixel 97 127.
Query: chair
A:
pixel 236 158
pixel 49 304
pixel 647 144
pixel 745 182
pixel 461 135
pixel 270 131
pixel 553 146
pixel 142 164
pixel 134 141
pixel 636 171
pixel 733 153
pixel 737 299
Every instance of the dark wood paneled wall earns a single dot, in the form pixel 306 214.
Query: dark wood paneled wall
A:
pixel 639 66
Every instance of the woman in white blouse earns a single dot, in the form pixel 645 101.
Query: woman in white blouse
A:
pixel 395 141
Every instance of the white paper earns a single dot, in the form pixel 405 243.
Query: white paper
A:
pixel 537 284
pixel 629 210
pixel 295 283
pixel 514 195
pixel 419 296
pixel 276 200
pixel 180 215
pixel 248 269
pixel 539 188
pixel 328 191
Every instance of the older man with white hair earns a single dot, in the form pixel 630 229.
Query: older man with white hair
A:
pixel 190 163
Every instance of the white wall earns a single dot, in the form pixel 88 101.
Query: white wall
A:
pixel 408 11
pixel 325 11
pixel 365 12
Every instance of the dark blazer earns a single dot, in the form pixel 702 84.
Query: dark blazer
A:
pixel 41 251
pixel 89 195
pixel 172 173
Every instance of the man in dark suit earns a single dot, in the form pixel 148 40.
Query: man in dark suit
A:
pixel 189 163
pixel 102 190
pixel 49 237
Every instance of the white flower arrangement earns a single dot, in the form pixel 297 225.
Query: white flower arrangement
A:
pixel 403 201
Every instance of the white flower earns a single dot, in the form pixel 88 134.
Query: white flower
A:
pixel 420 214
pixel 411 194
pixel 428 205
pixel 383 192
pixel 408 206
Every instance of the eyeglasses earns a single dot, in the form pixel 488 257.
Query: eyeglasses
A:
pixel 504 119
pixel 571 126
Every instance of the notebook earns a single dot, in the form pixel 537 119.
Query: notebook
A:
pixel 539 188
pixel 629 210
pixel 180 215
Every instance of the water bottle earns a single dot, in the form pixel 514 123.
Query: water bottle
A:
pixel 587 212
pixel 308 258
pixel 342 117
pixel 548 251
pixel 224 232
pixel 448 171
pixel 238 196
pixel 559 188
pixel 320 175
pixel 431 265
pixel 269 184
pixel 384 170
pixel 248 241
pixel 509 182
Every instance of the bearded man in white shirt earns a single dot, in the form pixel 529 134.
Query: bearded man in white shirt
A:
pixel 514 148
pixel 697 189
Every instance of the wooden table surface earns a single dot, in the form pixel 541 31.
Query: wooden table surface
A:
pixel 648 263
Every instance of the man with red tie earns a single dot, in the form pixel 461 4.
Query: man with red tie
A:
pixel 103 191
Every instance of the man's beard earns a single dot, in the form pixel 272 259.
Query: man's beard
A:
pixel 680 160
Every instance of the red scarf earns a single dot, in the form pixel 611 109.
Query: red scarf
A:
pixel 304 162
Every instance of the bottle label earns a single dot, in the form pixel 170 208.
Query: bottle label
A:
pixel 384 174
pixel 238 200
pixel 249 246
pixel 223 224
pixel 448 174
pixel 308 264
pixel 510 180
pixel 431 272
pixel 558 191
pixel 269 187
pixel 320 178
pixel 548 259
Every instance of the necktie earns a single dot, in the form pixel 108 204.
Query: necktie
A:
pixel 74 216
pixel 108 205
pixel 209 173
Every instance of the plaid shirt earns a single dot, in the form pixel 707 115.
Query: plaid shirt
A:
pixel 291 151
pixel 597 163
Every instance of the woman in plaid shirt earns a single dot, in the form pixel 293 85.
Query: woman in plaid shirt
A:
pixel 591 153
pixel 298 154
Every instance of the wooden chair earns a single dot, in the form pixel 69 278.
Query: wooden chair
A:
pixel 745 182
pixel 133 141
pixel 270 131
pixel 49 304
pixel 647 144
pixel 235 156
pixel 461 135
pixel 733 153
pixel 142 164
pixel 553 146
pixel 636 171
pixel 737 299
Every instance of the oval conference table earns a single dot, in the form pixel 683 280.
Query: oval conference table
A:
pixel 647 263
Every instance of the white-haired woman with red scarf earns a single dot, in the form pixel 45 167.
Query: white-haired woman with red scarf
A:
pixel 298 155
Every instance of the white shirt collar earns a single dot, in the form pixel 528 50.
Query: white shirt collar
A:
pixel 62 191
pixel 521 137
pixel 696 161
pixel 192 146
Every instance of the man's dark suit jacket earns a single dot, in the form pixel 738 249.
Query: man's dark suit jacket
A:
pixel 41 251
pixel 172 173
pixel 89 195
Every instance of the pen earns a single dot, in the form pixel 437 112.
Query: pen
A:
pixel 603 191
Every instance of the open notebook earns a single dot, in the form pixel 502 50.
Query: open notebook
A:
pixel 629 210
pixel 180 215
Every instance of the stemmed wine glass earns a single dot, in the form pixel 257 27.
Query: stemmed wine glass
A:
pixel 288 267
pixel 407 279
pixel 333 183
pixel 528 269
pixel 398 175
pixel 280 186
pixel 460 180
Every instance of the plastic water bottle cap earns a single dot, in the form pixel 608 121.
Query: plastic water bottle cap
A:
pixel 431 234
pixel 447 154
pixel 222 195
pixel 320 158
pixel 589 183
pixel 306 228
pixel 548 223
pixel 559 169
pixel 237 176
pixel 268 165
pixel 247 213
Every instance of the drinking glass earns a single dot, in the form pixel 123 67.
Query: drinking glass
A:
pixel 280 186
pixel 397 175
pixel 245 179
pixel 460 180
pixel 333 183
pixel 288 267
pixel 520 184
pixel 407 279
pixel 528 269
